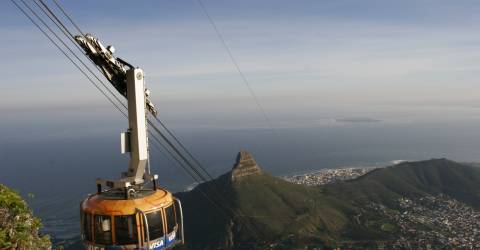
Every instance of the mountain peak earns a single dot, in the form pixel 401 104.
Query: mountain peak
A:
pixel 245 165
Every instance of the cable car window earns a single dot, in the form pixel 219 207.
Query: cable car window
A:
pixel 103 230
pixel 87 226
pixel 155 224
pixel 178 217
pixel 171 221
pixel 177 212
pixel 126 229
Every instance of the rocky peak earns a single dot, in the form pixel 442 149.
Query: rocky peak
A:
pixel 245 166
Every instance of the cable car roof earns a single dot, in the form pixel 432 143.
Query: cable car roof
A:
pixel 107 205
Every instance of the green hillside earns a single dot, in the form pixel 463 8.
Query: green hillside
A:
pixel 264 209
pixel 268 212
pixel 409 179
pixel 259 210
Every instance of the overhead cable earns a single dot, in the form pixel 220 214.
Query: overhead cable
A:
pixel 237 67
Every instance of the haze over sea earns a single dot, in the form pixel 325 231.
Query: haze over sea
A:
pixel 344 82
pixel 59 163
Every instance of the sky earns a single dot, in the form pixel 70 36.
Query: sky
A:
pixel 307 62
pixel 343 82
pixel 295 54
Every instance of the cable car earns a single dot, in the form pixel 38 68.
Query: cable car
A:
pixel 131 212
pixel 150 219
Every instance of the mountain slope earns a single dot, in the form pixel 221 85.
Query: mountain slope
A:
pixel 433 177
pixel 268 212
pixel 260 209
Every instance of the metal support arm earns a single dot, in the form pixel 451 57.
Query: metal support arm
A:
pixel 135 140
pixel 137 125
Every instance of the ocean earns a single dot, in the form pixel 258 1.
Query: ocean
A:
pixel 60 169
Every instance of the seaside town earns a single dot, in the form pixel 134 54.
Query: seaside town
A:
pixel 430 222
pixel 327 176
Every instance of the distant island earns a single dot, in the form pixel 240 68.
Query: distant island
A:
pixel 357 119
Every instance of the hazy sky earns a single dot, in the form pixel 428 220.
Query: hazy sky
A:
pixel 314 65
pixel 318 58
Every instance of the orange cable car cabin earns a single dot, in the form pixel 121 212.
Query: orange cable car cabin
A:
pixel 152 219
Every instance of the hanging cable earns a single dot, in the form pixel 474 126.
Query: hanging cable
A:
pixel 191 166
pixel 66 55
pixel 70 35
pixel 176 154
pixel 199 181
pixel 237 67
pixel 68 16
pixel 55 17
pixel 210 184
pixel 79 68
pixel 46 10
pixel 183 147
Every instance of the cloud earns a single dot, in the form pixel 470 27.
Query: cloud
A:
pixel 334 57
pixel 324 48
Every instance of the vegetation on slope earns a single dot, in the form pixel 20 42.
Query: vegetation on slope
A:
pixel 268 212
pixel 262 210
pixel 409 179
pixel 289 212
pixel 19 229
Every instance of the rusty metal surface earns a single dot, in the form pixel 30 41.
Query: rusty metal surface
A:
pixel 96 204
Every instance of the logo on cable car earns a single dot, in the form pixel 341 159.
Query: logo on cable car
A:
pixel 157 245
pixel 171 237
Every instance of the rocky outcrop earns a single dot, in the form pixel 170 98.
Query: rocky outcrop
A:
pixel 245 166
